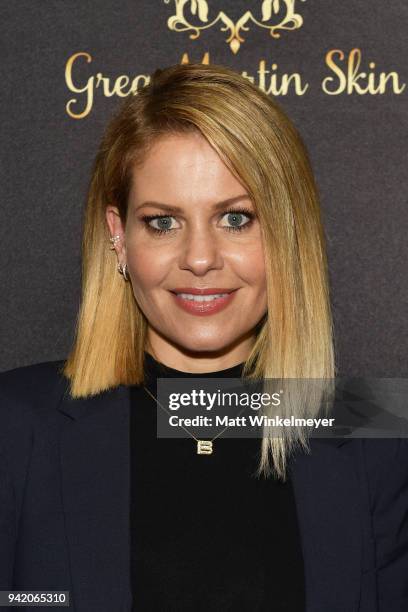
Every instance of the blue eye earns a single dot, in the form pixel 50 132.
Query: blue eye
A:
pixel 235 218
pixel 163 222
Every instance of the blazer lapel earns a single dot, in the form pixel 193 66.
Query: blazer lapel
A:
pixel 95 476
pixel 327 497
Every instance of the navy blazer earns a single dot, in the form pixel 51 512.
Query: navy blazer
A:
pixel 64 503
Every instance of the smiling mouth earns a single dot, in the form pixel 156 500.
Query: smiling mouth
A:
pixel 205 301
pixel 200 298
pixel 192 292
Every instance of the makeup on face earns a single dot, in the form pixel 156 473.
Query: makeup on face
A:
pixel 203 302
pixel 194 249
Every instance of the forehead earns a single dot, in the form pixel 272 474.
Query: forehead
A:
pixel 183 166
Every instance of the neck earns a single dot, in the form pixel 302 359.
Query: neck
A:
pixel 187 360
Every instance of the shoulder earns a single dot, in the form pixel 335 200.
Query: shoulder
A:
pixel 381 462
pixel 27 390
pixel 379 455
pixel 376 405
pixel 37 373
pixel 375 468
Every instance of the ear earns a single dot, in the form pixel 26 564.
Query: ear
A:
pixel 116 228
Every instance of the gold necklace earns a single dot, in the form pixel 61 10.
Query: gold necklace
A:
pixel 204 447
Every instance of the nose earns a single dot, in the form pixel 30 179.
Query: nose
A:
pixel 200 251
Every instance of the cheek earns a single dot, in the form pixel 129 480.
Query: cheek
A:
pixel 251 265
pixel 146 268
pixel 149 268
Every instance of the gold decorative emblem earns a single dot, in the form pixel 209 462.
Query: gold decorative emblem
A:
pixel 204 447
pixel 270 19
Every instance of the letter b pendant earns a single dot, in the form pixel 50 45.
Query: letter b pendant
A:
pixel 204 447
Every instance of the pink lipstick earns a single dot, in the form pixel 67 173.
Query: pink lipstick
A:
pixel 203 302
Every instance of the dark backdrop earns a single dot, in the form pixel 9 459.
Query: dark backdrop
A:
pixel 356 135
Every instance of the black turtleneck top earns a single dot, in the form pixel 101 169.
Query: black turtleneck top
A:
pixel 206 534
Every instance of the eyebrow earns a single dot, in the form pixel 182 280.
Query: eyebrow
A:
pixel 177 209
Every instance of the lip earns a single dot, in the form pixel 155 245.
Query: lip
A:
pixel 199 291
pixel 203 308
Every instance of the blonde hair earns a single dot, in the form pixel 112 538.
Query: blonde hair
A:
pixel 263 149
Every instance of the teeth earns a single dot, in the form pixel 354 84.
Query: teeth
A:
pixel 201 298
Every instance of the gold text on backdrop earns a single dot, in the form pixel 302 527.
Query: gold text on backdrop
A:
pixel 346 77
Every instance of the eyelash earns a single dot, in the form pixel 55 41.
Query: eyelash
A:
pixel 243 211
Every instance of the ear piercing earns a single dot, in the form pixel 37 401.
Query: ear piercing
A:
pixel 114 240
pixel 123 270
pixel 121 267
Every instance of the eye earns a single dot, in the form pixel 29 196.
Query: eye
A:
pixel 163 223
pixel 236 219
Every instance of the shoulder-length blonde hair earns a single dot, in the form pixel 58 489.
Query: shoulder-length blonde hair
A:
pixel 262 148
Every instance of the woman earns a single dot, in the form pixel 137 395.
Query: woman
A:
pixel 201 187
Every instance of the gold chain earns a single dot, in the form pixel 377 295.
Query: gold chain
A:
pixel 204 447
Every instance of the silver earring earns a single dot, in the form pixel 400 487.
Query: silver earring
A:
pixel 114 240
pixel 125 274
pixel 123 270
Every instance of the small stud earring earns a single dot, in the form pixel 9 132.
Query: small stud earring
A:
pixel 114 240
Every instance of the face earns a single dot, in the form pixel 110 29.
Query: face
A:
pixel 191 229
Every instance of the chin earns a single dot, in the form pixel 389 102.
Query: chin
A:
pixel 204 344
